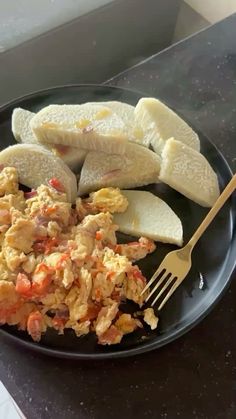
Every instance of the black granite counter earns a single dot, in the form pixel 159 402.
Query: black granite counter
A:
pixel 195 376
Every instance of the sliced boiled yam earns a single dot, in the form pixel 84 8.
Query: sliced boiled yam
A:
pixel 149 216
pixel 161 123
pixel 36 165
pixel 73 157
pixel 20 125
pixel 189 173
pixel 91 127
pixel 139 166
pixel 126 112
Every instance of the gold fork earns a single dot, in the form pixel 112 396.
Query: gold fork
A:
pixel 177 264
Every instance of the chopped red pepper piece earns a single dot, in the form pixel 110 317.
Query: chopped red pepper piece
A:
pixel 56 184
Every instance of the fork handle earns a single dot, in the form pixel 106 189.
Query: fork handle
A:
pixel 214 210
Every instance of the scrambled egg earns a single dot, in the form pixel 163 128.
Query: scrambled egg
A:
pixel 61 266
pixel 109 199
pixel 8 181
pixel 150 318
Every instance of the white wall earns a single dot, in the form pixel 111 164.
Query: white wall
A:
pixel 213 10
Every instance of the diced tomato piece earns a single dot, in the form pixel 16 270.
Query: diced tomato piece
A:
pixel 98 235
pixel 40 288
pixel 56 184
pixel 34 325
pixel 92 312
pixel 30 194
pixel 28 289
pixel 136 274
pixel 111 336
pixel 58 323
pixel 23 285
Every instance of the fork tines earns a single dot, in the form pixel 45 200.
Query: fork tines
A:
pixel 163 276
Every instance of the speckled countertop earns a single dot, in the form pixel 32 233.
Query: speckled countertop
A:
pixel 195 376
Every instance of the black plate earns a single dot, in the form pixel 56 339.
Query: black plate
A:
pixel 214 255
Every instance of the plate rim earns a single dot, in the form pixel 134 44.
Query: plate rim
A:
pixel 65 86
pixel 175 334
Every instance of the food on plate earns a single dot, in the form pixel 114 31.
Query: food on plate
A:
pixel 91 127
pixel 36 165
pixel 61 266
pixel 189 172
pixel 126 113
pixel 20 125
pixel 139 166
pixel 161 123
pixel 72 156
pixel 108 199
pixel 150 318
pixel 149 216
